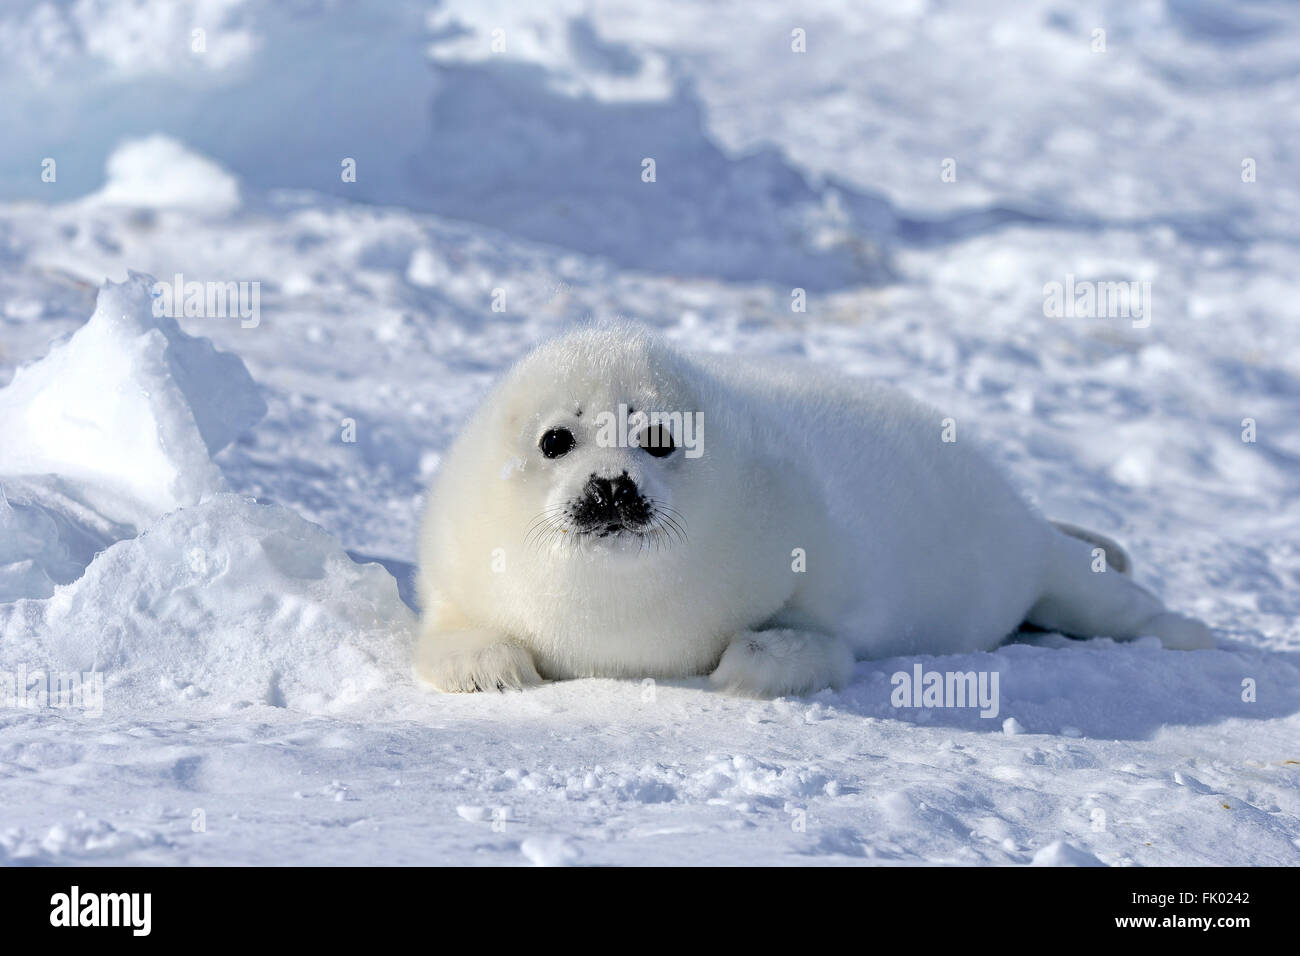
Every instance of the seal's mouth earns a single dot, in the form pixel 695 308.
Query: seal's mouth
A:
pixel 612 529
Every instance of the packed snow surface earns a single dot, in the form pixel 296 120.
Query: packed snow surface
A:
pixel 207 525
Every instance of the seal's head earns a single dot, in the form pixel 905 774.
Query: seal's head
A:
pixel 601 436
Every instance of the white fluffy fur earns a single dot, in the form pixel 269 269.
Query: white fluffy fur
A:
pixel 913 545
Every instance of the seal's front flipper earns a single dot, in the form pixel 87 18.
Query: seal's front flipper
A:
pixel 464 661
pixel 781 662
pixel 1082 602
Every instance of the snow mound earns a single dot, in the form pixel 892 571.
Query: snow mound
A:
pixel 550 851
pixel 229 600
pixel 159 172
pixel 128 411
pixel 1060 853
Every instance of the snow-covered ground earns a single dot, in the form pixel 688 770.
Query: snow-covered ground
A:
pixel 183 512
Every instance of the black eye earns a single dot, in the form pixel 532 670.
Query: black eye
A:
pixel 657 440
pixel 556 442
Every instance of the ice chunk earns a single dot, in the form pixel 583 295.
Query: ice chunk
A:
pixel 128 410
pixel 47 537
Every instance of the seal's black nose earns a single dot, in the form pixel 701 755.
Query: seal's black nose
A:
pixel 609 497
pixel 611 502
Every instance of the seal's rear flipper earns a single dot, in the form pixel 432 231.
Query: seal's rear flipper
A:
pixel 1180 632
pixel 1116 557
pixel 1083 602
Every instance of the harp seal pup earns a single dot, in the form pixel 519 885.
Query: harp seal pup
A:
pixel 786 521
